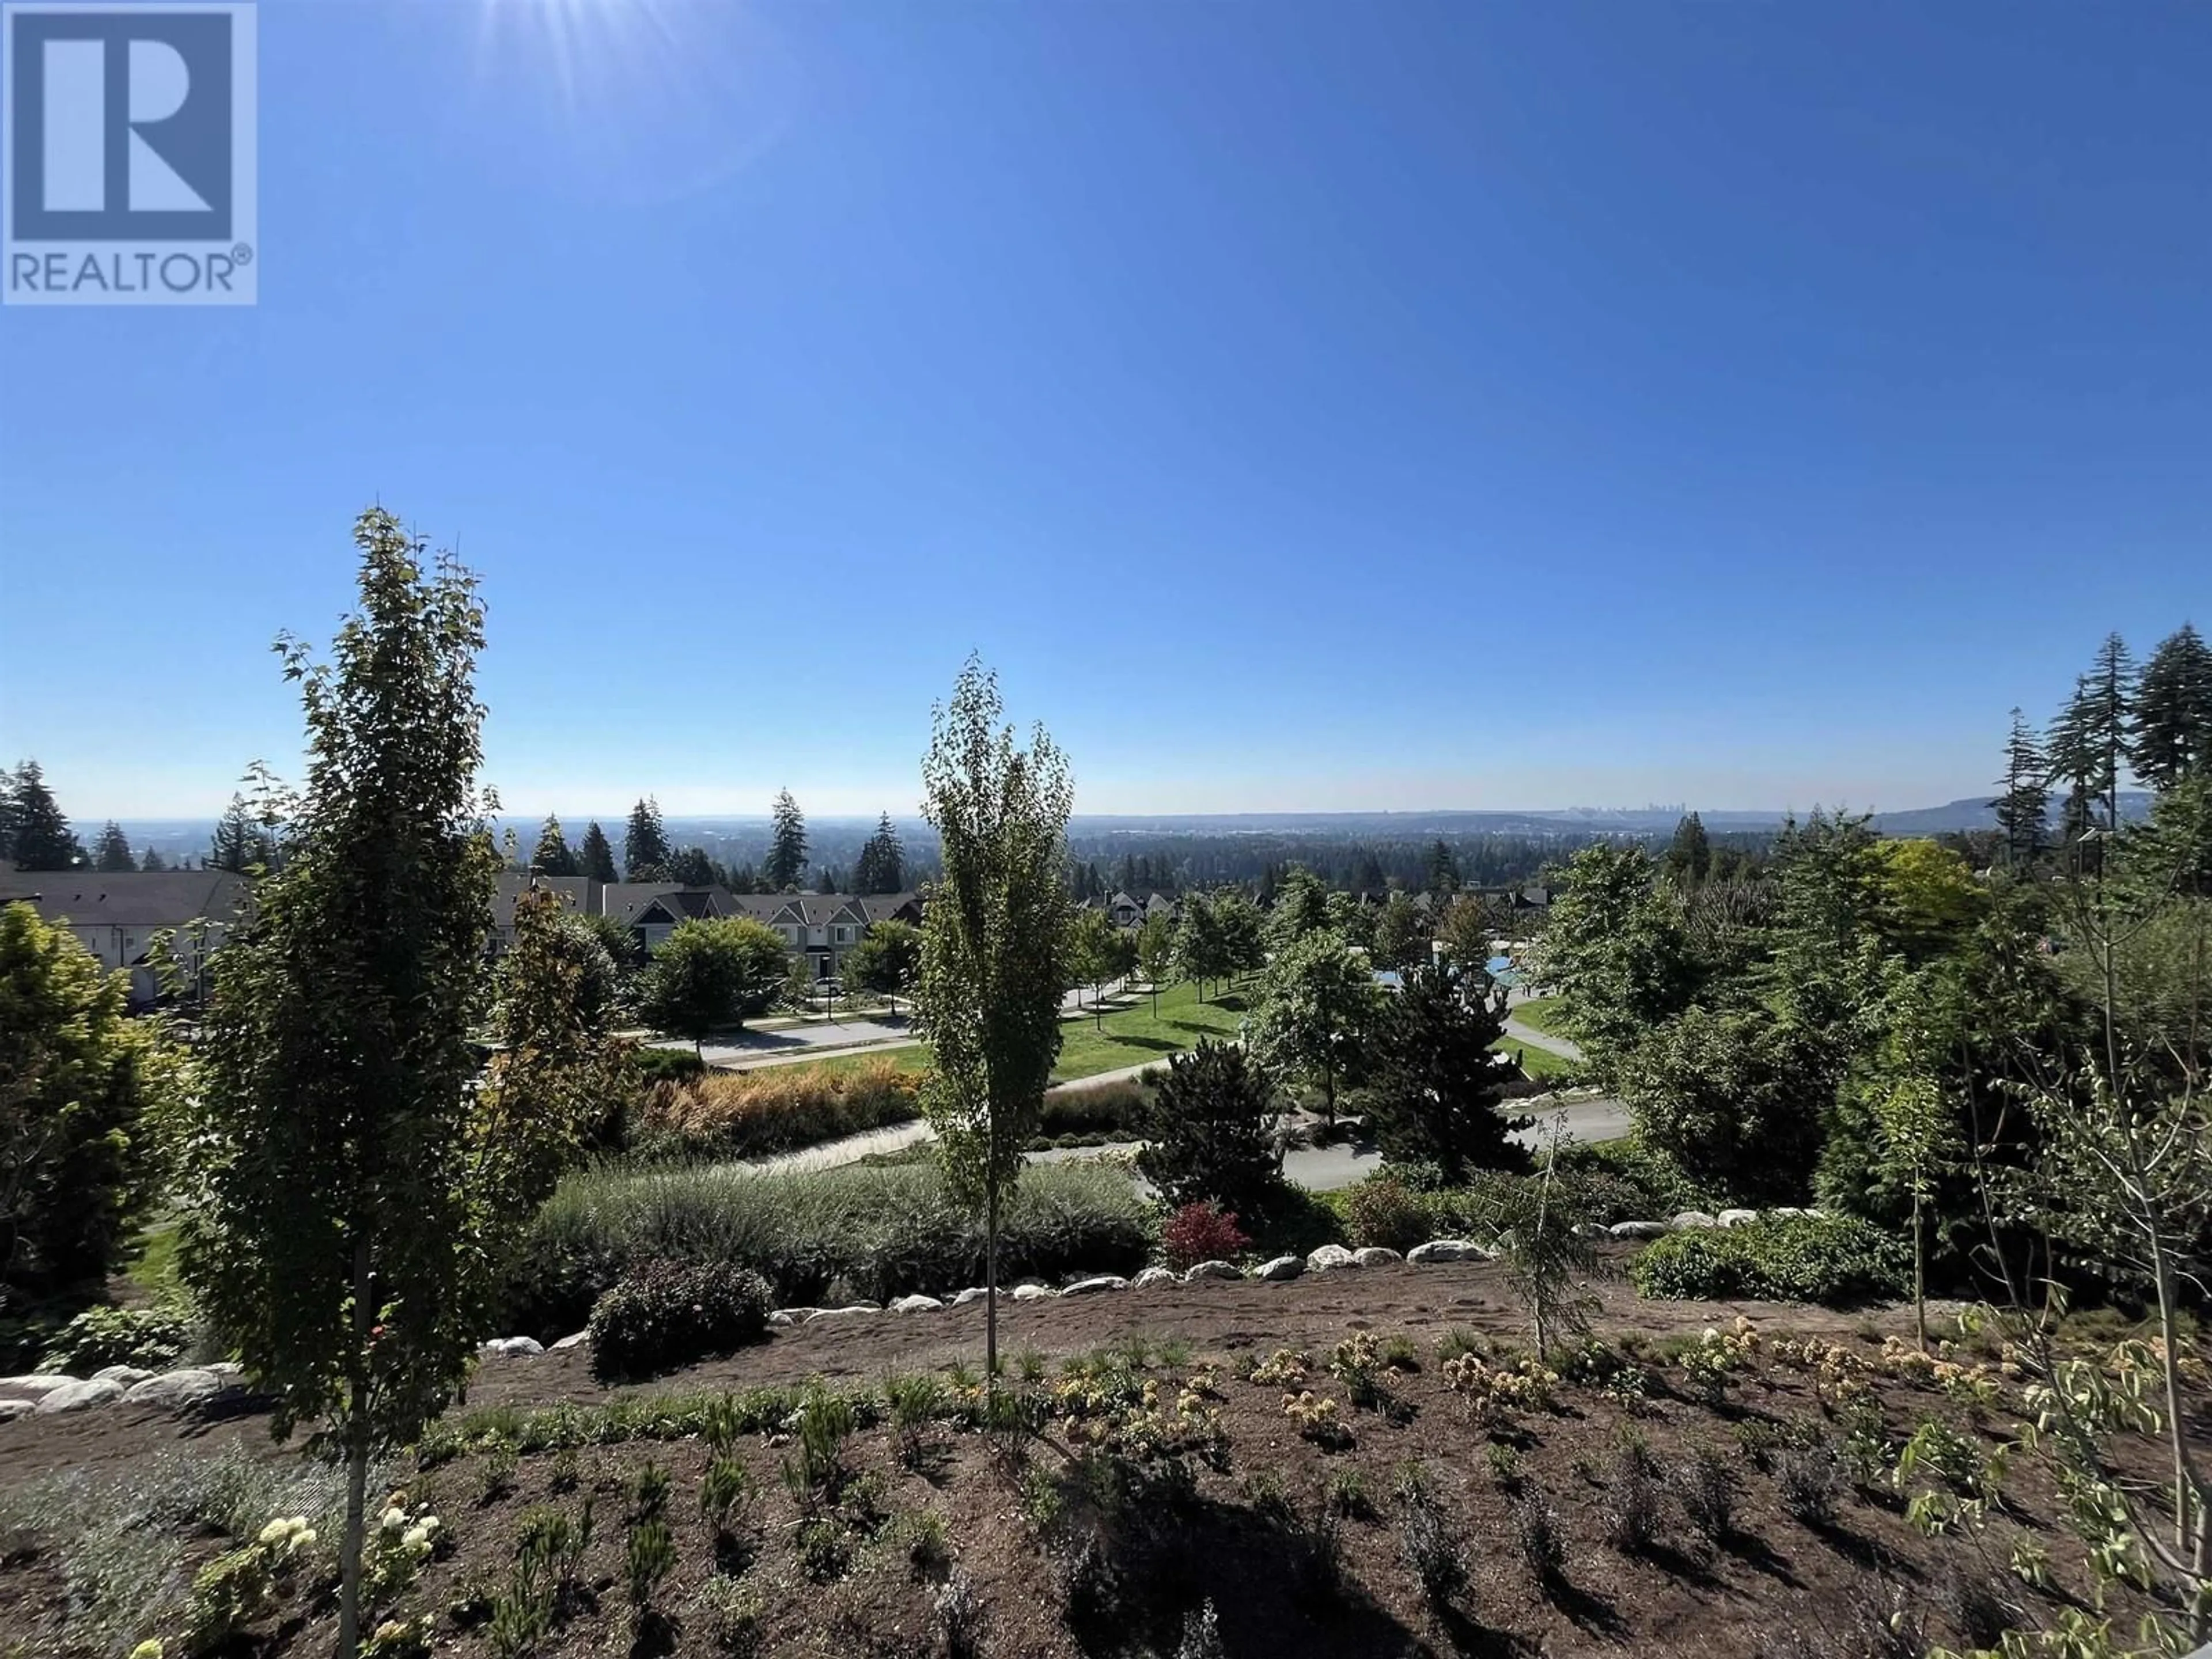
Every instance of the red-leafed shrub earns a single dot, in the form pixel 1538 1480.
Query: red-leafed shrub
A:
pixel 1201 1232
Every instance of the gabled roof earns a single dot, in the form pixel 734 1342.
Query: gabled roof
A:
pixel 627 901
pixel 154 898
pixel 577 893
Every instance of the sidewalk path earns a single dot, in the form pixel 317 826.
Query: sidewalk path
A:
pixel 1563 1048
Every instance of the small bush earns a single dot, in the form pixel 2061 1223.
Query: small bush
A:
pixel 100 1337
pixel 1806 1477
pixel 1201 1232
pixel 1536 1535
pixel 1383 1211
pixel 1836 1260
pixel 1707 1488
pixel 1115 1110
pixel 1633 1517
pixel 664 1314
pixel 666 1065
pixel 1431 1545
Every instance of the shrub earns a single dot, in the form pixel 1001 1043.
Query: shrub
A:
pixel 665 1065
pixel 710 1115
pixel 1118 1110
pixel 100 1337
pixel 1707 1487
pixel 1201 1232
pixel 1805 1477
pixel 1833 1260
pixel 1536 1535
pixel 884 1232
pixel 1382 1211
pixel 1430 1545
pixel 1632 1519
pixel 1211 1131
pixel 663 1314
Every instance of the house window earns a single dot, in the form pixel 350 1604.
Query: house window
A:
pixel 844 936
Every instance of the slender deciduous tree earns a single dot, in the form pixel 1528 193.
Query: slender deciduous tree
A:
pixel 992 972
pixel 336 1238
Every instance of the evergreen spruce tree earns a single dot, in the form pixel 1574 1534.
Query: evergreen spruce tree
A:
pixel 787 853
pixel 597 859
pixel 553 857
pixel 236 844
pixel 2174 712
pixel 43 838
pixel 2095 736
pixel 644 846
pixel 694 868
pixel 153 860
pixel 882 865
pixel 114 856
pixel 1690 855
pixel 7 820
pixel 1444 869
pixel 2023 811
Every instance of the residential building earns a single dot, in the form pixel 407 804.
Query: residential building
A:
pixel 116 916
pixel 578 893
pixel 821 927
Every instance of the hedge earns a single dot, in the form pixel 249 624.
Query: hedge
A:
pixel 1835 1260
pixel 772 1109
pixel 858 1231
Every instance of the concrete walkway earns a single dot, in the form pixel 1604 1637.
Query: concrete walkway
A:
pixel 1563 1048
pixel 1316 1168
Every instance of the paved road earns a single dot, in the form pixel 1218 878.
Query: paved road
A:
pixel 1317 1169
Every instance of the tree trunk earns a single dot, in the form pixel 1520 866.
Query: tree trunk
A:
pixel 356 1436
pixel 1919 1278
pixel 991 1280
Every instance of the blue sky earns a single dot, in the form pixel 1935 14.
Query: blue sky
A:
pixel 1304 406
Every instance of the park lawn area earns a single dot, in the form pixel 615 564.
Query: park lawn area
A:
pixel 1540 1014
pixel 1536 1062
pixel 1133 1035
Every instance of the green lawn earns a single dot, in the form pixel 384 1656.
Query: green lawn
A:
pixel 1541 1014
pixel 1130 1036
pixel 1133 1036
pixel 1536 1062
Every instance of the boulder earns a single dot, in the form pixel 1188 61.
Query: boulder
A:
pixel 1330 1257
pixel 228 1369
pixel 1638 1230
pixel 1033 1291
pixel 792 1315
pixel 574 1340
pixel 839 1313
pixel 1689 1220
pixel 125 1377
pixel 37 1384
pixel 511 1347
pixel 1211 1270
pixel 1736 1217
pixel 176 1390
pixel 917 1304
pixel 1151 1276
pixel 1376 1255
pixel 1447 1249
pixel 973 1294
pixel 12 1409
pixel 1097 1283
pixel 1281 1268
pixel 1786 1213
pixel 75 1396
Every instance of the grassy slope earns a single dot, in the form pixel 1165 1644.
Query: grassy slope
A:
pixel 1540 1014
pixel 1536 1062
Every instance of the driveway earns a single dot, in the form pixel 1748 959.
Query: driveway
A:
pixel 798 1042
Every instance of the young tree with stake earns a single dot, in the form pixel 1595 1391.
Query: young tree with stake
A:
pixel 345 1231
pixel 993 937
